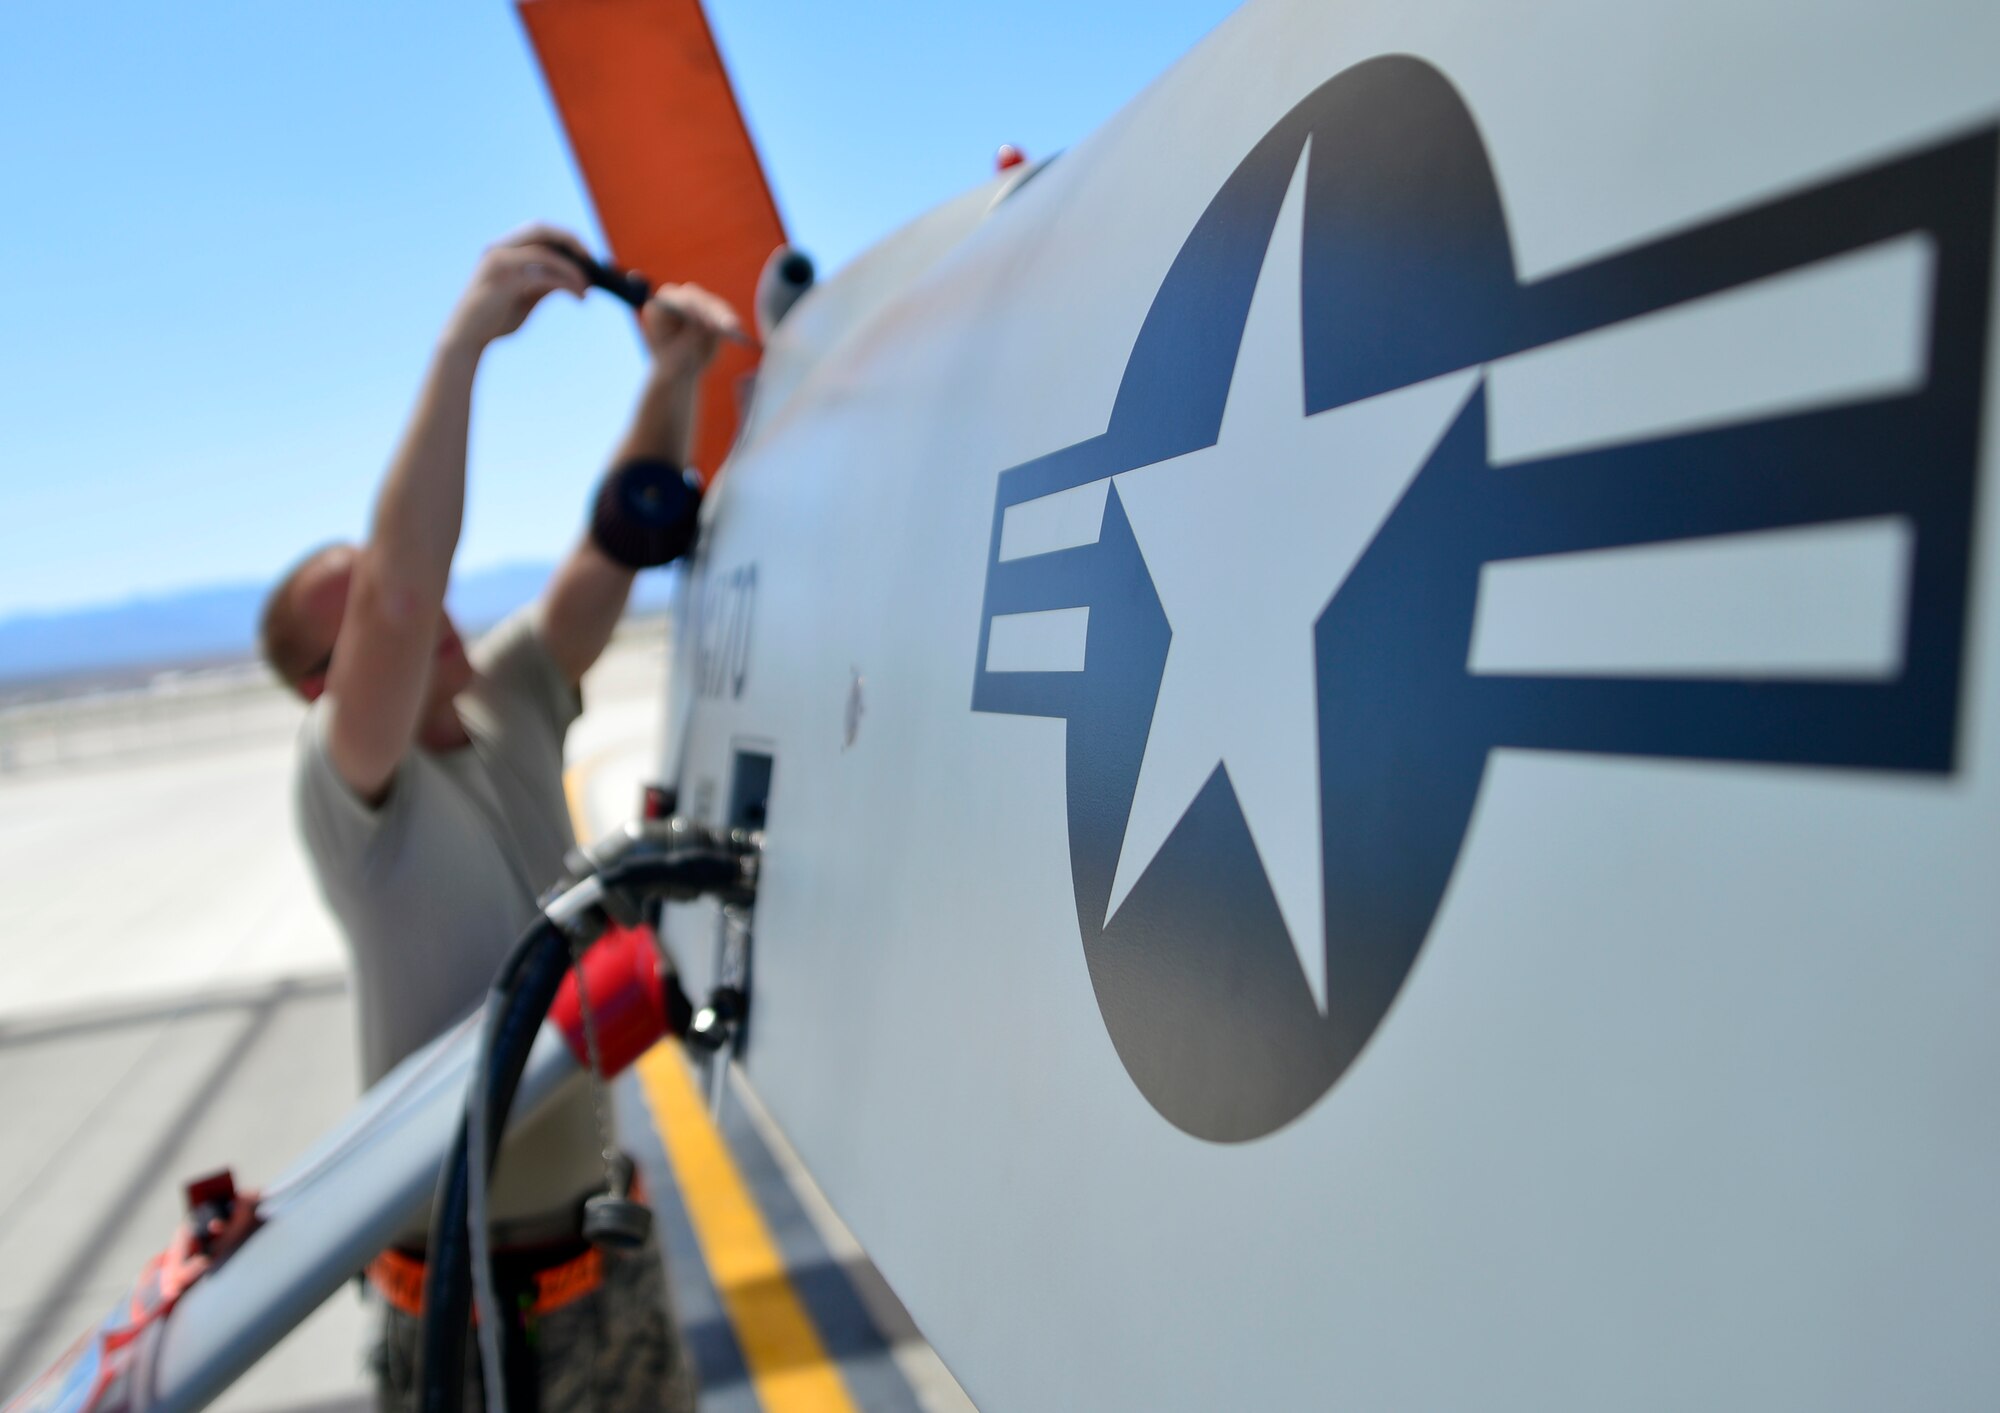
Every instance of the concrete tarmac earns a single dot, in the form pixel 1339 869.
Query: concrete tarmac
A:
pixel 172 1000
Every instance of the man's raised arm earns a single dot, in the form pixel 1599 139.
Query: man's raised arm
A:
pixel 376 685
pixel 683 325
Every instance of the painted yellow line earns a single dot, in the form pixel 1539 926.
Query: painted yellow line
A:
pixel 788 1365
pixel 576 783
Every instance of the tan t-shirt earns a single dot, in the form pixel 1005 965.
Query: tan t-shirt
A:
pixel 433 888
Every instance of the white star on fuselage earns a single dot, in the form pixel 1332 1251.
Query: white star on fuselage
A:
pixel 1246 542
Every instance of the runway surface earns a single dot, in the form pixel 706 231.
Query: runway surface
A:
pixel 173 1000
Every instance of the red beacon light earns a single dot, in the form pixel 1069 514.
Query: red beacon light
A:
pixel 1008 157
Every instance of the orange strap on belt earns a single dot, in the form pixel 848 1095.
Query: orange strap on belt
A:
pixel 399 1278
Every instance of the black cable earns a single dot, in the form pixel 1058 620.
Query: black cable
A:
pixel 447 1283
pixel 521 997
pixel 514 1019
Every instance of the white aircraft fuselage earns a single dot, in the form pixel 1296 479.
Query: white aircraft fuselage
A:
pixel 1370 696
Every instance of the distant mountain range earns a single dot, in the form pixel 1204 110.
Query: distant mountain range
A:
pixel 219 624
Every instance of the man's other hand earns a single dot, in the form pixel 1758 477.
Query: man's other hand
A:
pixel 512 278
pixel 684 325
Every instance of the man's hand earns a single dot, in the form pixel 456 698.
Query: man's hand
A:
pixel 684 325
pixel 512 278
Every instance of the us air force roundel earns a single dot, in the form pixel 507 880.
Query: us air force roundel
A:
pixel 1344 425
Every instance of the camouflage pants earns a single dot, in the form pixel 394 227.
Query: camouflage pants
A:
pixel 615 1350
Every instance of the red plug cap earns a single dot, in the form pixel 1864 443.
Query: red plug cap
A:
pixel 627 997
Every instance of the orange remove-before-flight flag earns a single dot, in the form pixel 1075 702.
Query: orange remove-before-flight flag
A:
pixel 668 162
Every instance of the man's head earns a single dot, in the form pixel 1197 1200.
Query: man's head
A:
pixel 301 624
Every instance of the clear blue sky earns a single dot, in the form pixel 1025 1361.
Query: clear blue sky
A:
pixel 231 231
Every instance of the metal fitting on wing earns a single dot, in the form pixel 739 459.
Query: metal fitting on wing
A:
pixel 786 276
pixel 659 860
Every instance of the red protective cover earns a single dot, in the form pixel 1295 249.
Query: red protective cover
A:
pixel 627 996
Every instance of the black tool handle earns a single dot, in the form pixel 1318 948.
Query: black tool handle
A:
pixel 629 285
